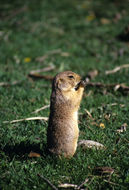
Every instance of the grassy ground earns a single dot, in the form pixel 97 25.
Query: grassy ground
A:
pixel 86 34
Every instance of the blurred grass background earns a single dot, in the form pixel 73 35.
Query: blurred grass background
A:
pixel 87 35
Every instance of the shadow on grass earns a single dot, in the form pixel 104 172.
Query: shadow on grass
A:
pixel 23 149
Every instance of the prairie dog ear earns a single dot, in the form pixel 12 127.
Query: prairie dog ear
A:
pixel 62 84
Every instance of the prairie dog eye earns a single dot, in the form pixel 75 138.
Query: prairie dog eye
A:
pixel 71 76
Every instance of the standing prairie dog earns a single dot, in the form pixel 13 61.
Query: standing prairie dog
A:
pixel 63 132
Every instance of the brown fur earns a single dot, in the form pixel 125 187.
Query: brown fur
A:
pixel 62 134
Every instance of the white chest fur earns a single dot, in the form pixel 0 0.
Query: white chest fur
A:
pixel 75 115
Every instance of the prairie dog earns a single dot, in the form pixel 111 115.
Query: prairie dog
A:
pixel 63 132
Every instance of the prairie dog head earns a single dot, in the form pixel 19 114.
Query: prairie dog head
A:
pixel 68 84
pixel 66 81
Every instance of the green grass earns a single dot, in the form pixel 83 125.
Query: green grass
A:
pixel 40 27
